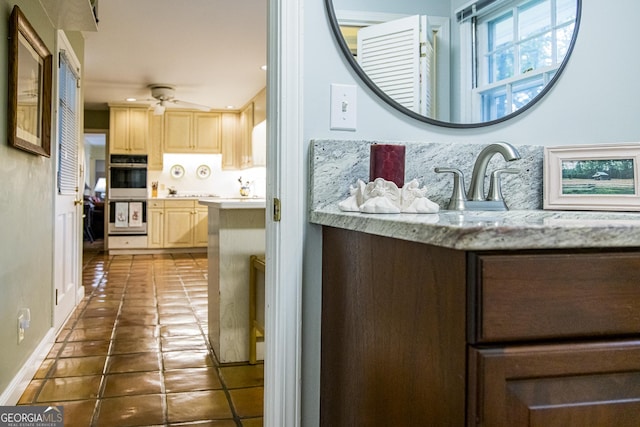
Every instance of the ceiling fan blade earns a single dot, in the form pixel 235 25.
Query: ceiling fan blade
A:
pixel 184 104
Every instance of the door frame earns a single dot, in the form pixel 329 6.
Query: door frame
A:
pixel 284 238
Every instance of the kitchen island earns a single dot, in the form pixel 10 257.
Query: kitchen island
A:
pixel 236 230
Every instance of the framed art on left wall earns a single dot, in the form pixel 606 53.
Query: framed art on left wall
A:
pixel 30 86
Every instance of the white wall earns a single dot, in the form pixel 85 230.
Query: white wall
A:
pixel 595 101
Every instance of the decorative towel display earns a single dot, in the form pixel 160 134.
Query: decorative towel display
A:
pixel 387 161
pixel 122 214
pixel 135 214
pixel 382 196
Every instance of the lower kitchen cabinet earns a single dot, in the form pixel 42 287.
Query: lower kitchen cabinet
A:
pixel 414 334
pixel 177 224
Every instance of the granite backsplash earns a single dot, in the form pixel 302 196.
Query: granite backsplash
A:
pixel 338 164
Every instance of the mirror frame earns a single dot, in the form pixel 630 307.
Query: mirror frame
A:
pixel 335 27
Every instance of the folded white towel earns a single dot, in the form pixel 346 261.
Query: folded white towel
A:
pixel 122 214
pixel 135 214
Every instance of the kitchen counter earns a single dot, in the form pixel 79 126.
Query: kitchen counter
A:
pixel 243 203
pixel 236 230
pixel 478 230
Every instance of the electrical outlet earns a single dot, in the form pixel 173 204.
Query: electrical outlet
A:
pixel 343 107
pixel 20 328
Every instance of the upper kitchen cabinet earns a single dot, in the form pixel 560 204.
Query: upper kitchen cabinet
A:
pixel 246 129
pixel 72 15
pixel 156 123
pixel 128 130
pixel 192 132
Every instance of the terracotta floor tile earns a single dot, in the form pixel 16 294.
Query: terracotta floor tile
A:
pixel 248 401
pixel 167 318
pixel 78 413
pixel 70 388
pixel 191 379
pixel 134 362
pixel 91 334
pixel 183 343
pixel 141 345
pixel 143 410
pixel 44 368
pixel 187 359
pixel 243 376
pixel 213 423
pixel 133 383
pixel 95 322
pixel 198 405
pixel 31 392
pixel 252 422
pixel 135 332
pixel 85 348
pixel 78 366
pixel 180 330
pixel 133 319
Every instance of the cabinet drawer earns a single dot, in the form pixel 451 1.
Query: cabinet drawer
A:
pixel 155 204
pixel 180 203
pixel 586 385
pixel 524 297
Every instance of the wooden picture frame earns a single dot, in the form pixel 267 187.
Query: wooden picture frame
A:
pixel 592 177
pixel 30 86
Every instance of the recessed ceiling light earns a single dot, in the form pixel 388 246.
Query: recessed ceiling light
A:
pixel 263 68
pixel 230 107
pixel 131 99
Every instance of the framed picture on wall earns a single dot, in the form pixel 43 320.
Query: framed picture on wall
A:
pixel 592 177
pixel 30 84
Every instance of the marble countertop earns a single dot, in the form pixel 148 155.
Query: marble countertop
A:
pixel 484 230
pixel 244 203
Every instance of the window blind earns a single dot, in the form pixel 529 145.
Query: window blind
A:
pixel 68 136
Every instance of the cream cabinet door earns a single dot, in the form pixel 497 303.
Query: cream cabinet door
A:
pixel 128 130
pixel 178 127
pixel 155 141
pixel 230 133
pixel 138 130
pixel 178 223
pixel 156 228
pixel 206 132
pixel 200 228
pixel 246 128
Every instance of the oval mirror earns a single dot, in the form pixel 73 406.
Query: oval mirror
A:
pixel 457 63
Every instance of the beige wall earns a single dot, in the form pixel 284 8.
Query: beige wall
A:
pixel 26 217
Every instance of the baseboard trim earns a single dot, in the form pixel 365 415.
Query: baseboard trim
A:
pixel 18 385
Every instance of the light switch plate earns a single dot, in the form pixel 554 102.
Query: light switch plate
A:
pixel 343 107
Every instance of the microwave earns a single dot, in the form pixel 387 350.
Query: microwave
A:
pixel 127 176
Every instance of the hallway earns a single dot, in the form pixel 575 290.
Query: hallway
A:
pixel 135 351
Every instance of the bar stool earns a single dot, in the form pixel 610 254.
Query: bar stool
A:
pixel 256 330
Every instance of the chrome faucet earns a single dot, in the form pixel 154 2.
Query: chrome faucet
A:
pixel 476 199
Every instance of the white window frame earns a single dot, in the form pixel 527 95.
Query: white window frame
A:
pixel 474 33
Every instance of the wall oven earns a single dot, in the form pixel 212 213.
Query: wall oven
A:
pixel 127 217
pixel 127 176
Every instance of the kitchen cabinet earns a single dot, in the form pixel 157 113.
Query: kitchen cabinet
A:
pixel 416 334
pixel 177 224
pixel 128 130
pixel 156 123
pixel 245 157
pixel 230 140
pixel 155 215
pixel 192 132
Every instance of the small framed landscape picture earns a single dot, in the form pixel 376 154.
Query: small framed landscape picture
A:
pixel 592 177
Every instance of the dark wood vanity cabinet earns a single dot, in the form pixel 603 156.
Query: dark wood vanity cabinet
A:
pixel 419 335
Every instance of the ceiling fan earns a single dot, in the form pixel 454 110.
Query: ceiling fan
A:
pixel 165 95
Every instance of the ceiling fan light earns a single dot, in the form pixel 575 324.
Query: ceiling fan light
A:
pixel 159 109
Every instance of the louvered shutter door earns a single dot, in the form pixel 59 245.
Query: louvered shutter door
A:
pixel 67 128
pixel 390 55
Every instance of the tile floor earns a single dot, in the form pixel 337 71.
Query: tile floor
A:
pixel 135 351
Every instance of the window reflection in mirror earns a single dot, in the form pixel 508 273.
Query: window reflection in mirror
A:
pixel 458 63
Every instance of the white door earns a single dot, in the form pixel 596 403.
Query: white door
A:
pixel 69 187
pixel 397 57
